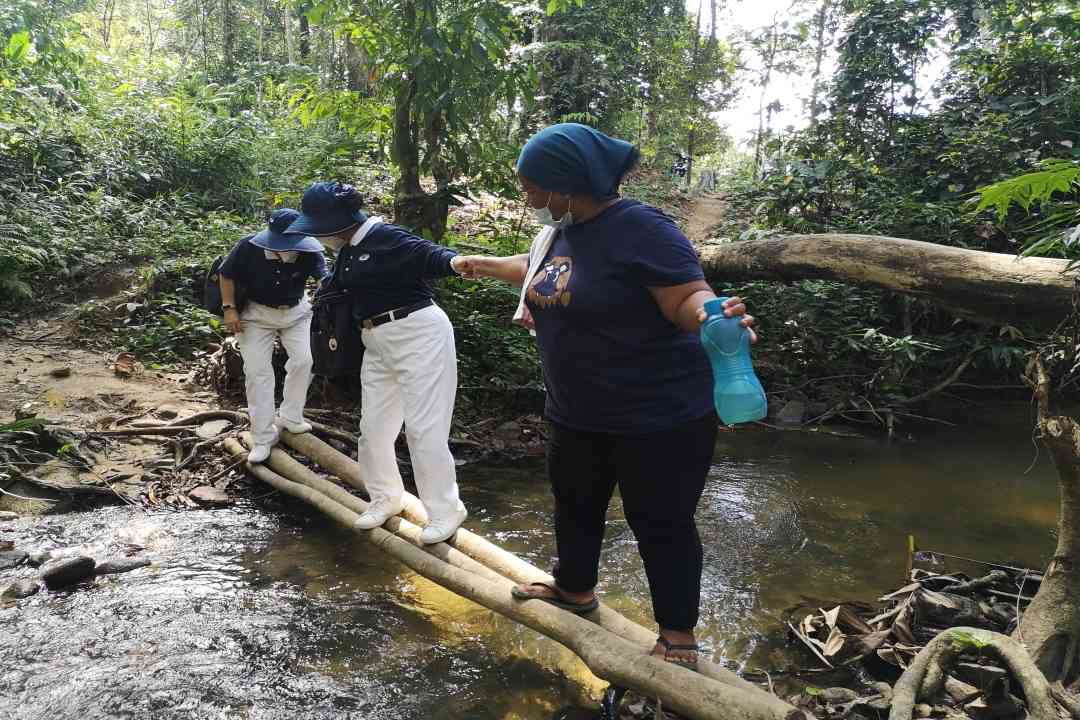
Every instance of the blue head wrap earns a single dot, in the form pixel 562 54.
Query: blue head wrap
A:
pixel 576 159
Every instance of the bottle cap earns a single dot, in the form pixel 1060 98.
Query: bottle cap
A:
pixel 715 306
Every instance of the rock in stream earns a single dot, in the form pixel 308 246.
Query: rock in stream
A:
pixel 12 558
pixel 20 589
pixel 67 571
pixel 121 565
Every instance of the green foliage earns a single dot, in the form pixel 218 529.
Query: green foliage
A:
pixel 1057 176
pixel 1054 191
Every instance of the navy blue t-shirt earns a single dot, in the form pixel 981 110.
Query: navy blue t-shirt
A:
pixel 271 282
pixel 612 362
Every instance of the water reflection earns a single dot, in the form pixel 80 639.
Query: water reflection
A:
pixel 273 612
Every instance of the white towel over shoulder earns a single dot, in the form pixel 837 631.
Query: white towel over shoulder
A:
pixel 537 252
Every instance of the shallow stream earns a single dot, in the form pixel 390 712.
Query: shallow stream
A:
pixel 268 610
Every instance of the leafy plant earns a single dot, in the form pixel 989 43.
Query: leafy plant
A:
pixel 1057 225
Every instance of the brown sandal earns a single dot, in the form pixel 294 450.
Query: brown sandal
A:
pixel 670 646
pixel 521 593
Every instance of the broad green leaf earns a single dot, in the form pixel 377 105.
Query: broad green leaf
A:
pixel 18 46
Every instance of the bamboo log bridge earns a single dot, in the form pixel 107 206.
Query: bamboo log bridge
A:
pixel 613 647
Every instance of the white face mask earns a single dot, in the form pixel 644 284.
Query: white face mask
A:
pixel 544 216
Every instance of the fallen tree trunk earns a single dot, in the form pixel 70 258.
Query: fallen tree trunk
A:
pixel 494 557
pixel 995 287
pixel 607 655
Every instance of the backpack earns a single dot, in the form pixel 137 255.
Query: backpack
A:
pixel 211 299
pixel 336 345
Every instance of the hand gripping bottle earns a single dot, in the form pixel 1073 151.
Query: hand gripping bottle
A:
pixel 737 392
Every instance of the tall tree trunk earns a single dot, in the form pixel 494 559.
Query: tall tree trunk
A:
pixel 693 95
pixel 821 23
pixel 769 58
pixel 333 72
pixel 355 66
pixel 1050 629
pixel 201 7
pixel 305 32
pixel 228 40
pixel 151 31
pixel 564 81
pixel 108 11
pixel 290 42
pixel 413 208
pixel 260 41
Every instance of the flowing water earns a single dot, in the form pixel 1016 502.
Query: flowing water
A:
pixel 270 611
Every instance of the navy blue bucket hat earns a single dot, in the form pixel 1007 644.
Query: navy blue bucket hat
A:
pixel 328 208
pixel 274 236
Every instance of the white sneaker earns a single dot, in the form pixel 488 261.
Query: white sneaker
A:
pixel 258 454
pixel 295 428
pixel 443 529
pixel 377 514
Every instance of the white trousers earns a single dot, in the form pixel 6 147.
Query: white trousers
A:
pixel 410 375
pixel 261 325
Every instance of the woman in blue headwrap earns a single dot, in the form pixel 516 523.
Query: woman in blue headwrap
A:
pixel 614 292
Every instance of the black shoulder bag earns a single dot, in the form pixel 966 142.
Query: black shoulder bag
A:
pixel 336 345
pixel 211 299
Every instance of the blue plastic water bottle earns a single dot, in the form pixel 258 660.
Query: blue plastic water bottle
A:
pixel 737 392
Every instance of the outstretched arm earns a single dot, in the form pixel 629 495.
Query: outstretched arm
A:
pixel 509 269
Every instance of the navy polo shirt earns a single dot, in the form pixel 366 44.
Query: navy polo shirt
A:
pixel 612 362
pixel 271 282
pixel 390 268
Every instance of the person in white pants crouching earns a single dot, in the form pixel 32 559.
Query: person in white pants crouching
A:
pixel 409 372
pixel 273 269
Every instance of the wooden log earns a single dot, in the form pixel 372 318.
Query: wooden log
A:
pixel 608 656
pixel 995 287
pixel 504 563
pixel 283 464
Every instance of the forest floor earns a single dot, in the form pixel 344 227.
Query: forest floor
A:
pixel 49 371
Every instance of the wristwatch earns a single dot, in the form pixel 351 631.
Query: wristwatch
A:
pixel 227 307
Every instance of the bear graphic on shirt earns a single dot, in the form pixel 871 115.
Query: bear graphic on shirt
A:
pixel 549 286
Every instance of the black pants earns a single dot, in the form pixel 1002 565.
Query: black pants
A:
pixel 661 477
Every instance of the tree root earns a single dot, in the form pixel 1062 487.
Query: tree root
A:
pixel 1066 699
pixel 333 432
pixel 1050 628
pixel 926 676
pixel 236 418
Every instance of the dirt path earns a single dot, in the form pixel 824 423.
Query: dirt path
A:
pixel 47 372
pixel 706 212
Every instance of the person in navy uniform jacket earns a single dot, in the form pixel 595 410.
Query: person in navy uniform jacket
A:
pixel 274 269
pixel 409 371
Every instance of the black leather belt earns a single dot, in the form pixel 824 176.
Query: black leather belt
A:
pixel 396 314
pixel 286 306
